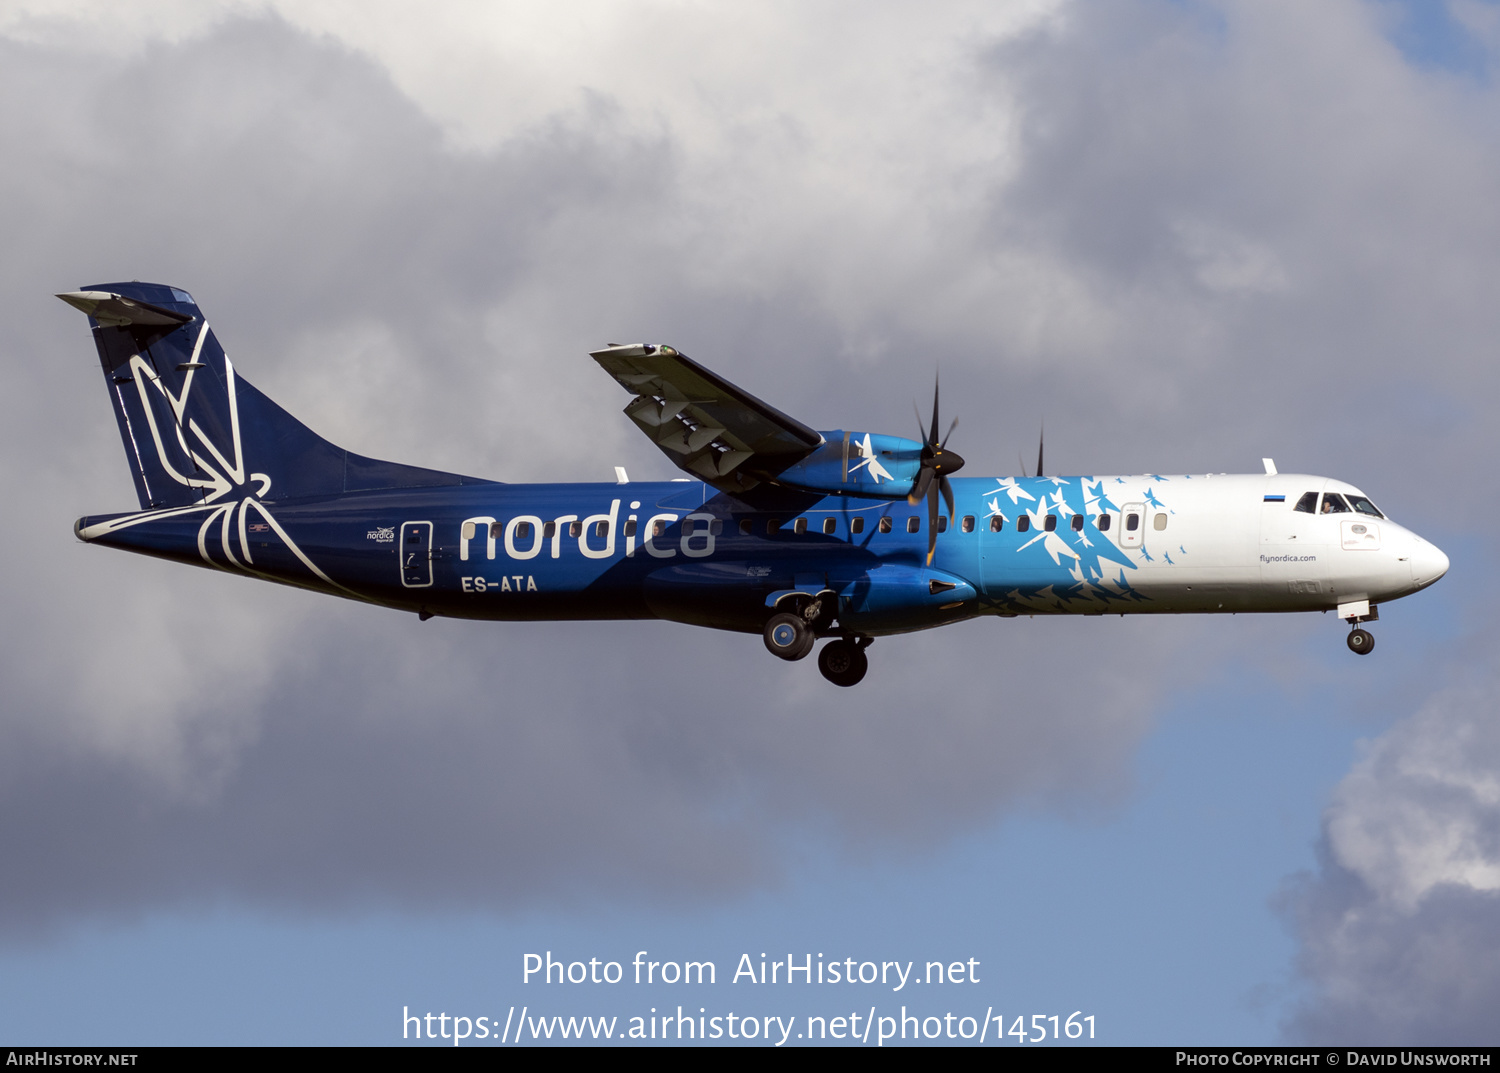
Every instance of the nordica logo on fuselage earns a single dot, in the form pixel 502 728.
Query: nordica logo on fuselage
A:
pixel 598 536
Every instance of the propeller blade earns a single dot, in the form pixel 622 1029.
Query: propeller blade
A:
pixel 932 517
pixel 1040 444
pixel 947 496
pixel 933 439
pixel 950 433
pixel 919 489
pixel 1022 462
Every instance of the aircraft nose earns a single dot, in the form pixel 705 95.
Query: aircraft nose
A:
pixel 1428 563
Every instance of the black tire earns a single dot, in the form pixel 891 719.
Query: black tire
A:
pixel 843 663
pixel 1361 641
pixel 787 636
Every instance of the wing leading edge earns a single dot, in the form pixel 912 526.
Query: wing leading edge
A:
pixel 704 424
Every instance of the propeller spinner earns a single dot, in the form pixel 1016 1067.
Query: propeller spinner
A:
pixel 932 479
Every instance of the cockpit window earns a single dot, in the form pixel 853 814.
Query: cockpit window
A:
pixel 1333 503
pixel 1308 504
pixel 1364 506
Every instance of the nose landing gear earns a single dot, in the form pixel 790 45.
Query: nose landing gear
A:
pixel 1356 613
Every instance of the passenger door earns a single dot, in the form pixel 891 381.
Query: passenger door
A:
pixel 416 554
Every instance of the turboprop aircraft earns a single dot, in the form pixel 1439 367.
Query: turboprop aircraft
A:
pixel 778 529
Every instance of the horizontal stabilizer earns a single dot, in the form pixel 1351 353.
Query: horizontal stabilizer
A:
pixel 117 311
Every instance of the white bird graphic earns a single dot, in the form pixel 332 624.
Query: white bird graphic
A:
pixel 865 451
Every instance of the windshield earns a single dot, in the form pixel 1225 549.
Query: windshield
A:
pixel 1364 506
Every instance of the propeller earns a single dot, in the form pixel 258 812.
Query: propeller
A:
pixel 932 479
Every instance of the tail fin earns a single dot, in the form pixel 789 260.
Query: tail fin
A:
pixel 194 430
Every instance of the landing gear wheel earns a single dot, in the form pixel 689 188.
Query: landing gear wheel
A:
pixel 843 663
pixel 788 637
pixel 1361 641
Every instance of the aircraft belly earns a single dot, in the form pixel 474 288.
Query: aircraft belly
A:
pixel 728 595
pixel 1180 591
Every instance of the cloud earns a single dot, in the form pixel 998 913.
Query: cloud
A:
pixel 1401 923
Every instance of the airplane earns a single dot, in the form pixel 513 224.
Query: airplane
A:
pixel 779 529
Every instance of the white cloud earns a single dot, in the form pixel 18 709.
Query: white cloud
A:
pixel 1422 807
pixel 1400 927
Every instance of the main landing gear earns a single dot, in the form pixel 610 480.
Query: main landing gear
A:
pixel 1361 641
pixel 792 635
pixel 843 662
pixel 789 636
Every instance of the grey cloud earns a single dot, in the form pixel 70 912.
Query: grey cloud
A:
pixel 1258 204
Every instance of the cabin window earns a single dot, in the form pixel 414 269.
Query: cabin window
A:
pixel 829 524
pixel 1023 523
pixel 716 527
pixel 885 525
pixel 523 530
pixel 1104 523
pixel 744 527
pixel 1308 504
pixel 549 529
pixel 658 529
pixel 1333 503
pixel 1050 524
pixel 997 523
pixel 575 529
pixel 1078 523
pixel 468 530
pixel 601 529
pixel 799 526
pixel 913 524
pixel 942 523
pixel 1132 522
pixel 1364 506
pixel 772 525
pixel 629 527
pixel 856 525
pixel 1159 522
pixel 967 525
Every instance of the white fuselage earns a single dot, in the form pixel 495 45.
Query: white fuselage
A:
pixel 1200 543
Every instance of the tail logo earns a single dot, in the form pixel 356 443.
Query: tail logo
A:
pixel 227 519
pixel 222 476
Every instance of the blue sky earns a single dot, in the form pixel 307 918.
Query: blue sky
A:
pixel 1187 235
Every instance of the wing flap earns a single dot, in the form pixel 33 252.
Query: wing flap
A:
pixel 708 427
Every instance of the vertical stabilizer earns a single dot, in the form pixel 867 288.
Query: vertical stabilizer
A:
pixel 197 432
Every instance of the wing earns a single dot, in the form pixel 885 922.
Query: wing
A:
pixel 705 425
